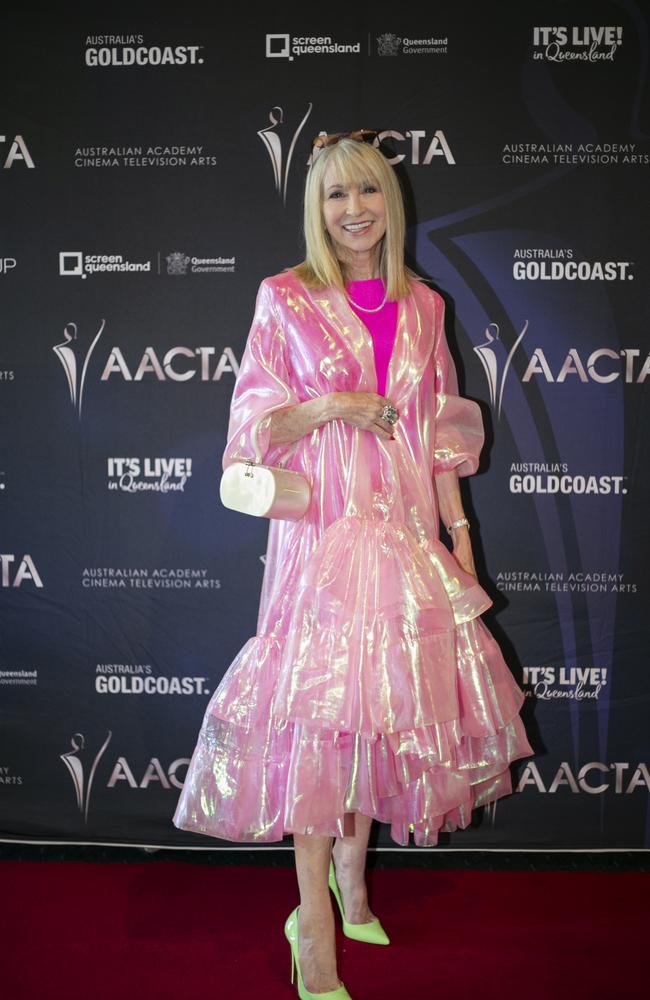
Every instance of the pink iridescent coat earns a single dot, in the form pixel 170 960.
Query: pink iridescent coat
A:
pixel 372 684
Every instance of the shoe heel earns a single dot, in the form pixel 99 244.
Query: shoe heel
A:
pixel 371 933
pixel 289 933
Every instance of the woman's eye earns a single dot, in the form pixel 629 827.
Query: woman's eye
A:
pixel 370 189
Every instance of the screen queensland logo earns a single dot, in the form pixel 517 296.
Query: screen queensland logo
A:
pixel 139 52
pixel 77 264
pixel 285 46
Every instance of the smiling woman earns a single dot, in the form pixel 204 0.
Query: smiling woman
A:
pixel 348 183
pixel 371 689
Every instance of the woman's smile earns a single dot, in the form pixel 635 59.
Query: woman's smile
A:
pixel 357 227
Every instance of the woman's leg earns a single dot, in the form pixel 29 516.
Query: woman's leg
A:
pixel 316 940
pixel 349 855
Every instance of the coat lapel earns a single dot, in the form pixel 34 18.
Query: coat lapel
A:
pixel 414 338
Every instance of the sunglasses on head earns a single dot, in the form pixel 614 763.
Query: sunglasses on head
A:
pixel 360 135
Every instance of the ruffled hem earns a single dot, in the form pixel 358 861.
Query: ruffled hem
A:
pixel 369 644
pixel 255 777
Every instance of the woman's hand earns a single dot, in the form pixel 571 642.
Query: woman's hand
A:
pixel 463 550
pixel 363 409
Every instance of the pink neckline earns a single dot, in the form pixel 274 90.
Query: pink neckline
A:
pixel 366 291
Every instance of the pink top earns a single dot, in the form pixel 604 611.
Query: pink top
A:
pixel 382 325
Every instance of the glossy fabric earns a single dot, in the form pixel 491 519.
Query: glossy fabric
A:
pixel 371 684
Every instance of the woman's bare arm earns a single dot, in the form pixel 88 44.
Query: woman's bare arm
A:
pixel 451 509
pixel 293 422
pixel 362 409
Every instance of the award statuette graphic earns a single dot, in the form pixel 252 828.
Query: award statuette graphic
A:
pixel 491 364
pixel 272 139
pixel 75 763
pixel 67 355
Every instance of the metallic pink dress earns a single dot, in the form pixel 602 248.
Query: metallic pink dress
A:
pixel 371 685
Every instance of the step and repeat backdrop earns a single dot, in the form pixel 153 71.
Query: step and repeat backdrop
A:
pixel 151 174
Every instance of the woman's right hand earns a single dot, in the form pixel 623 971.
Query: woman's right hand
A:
pixel 363 409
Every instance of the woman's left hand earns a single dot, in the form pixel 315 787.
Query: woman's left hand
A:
pixel 463 550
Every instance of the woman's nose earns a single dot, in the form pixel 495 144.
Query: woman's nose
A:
pixel 354 202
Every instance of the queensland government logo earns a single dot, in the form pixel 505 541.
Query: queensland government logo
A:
pixel 182 263
pixel 392 45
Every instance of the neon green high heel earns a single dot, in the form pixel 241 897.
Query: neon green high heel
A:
pixel 370 933
pixel 291 934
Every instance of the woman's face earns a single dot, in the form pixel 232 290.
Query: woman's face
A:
pixel 354 215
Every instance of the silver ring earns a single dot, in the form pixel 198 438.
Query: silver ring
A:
pixel 389 413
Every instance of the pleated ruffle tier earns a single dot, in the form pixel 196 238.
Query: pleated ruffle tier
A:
pixel 384 693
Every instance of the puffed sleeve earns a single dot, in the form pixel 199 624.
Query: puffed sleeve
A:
pixel 262 386
pixel 459 432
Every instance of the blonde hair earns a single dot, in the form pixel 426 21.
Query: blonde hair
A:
pixel 355 163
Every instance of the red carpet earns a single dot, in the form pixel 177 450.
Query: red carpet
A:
pixel 171 930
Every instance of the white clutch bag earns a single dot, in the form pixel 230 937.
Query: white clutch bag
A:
pixel 264 491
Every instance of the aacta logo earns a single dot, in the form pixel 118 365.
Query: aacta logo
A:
pixel 594 778
pixel 16 577
pixel 153 772
pixel 601 366
pixel 75 359
pixel 280 144
pixel 82 767
pixel 178 364
pixel 17 152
